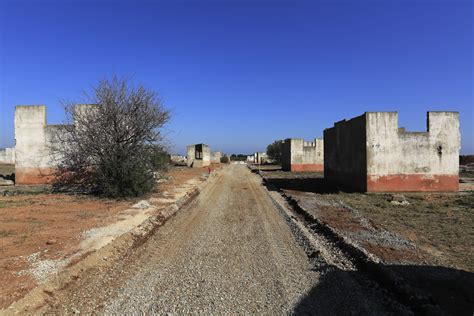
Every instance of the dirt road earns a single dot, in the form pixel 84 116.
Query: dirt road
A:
pixel 230 251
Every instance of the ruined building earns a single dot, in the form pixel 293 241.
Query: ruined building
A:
pixel 260 158
pixel 32 136
pixel 298 155
pixel 34 163
pixel 199 155
pixel 7 155
pixel 370 153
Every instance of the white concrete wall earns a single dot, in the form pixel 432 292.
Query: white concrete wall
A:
pixel 315 153
pixel 303 152
pixel 191 151
pixel 31 150
pixel 261 157
pixel 34 163
pixel 205 160
pixel 7 155
pixel 393 151
pixel 296 150
pixel 206 155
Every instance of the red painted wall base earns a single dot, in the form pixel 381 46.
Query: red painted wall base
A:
pixel 33 175
pixel 412 183
pixel 307 167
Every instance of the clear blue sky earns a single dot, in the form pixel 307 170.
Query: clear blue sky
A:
pixel 240 74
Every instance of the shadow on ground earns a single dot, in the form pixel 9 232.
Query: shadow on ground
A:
pixel 268 168
pixel 425 289
pixel 304 184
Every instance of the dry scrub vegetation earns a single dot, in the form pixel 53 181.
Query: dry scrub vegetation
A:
pixel 442 224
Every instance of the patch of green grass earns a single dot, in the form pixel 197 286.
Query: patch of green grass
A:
pixel 85 214
pixel 13 203
pixel 35 223
pixel 466 200
pixel 41 189
pixel 6 233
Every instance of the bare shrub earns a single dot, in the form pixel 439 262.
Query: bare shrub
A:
pixel 111 146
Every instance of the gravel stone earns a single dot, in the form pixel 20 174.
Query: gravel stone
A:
pixel 230 251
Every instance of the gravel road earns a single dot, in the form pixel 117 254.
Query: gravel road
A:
pixel 229 251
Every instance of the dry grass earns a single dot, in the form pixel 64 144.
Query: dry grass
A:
pixel 442 224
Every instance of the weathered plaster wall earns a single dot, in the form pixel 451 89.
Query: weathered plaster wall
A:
pixel 190 155
pixel 413 161
pixel 199 155
pixel 371 153
pixel 345 162
pixel 33 162
pixel 206 155
pixel 7 155
pixel 298 155
pixel 261 157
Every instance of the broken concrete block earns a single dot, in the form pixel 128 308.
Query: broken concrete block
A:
pixel 142 205
pixel 398 199
pixel 5 182
pixel 51 242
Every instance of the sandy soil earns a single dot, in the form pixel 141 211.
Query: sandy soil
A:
pixel 39 233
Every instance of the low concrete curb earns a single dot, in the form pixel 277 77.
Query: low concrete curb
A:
pixel 366 262
pixel 36 301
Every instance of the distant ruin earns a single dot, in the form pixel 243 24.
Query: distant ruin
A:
pixel 178 159
pixel 299 155
pixel 260 158
pixel 34 163
pixel 370 153
pixel 7 155
pixel 32 136
pixel 199 155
